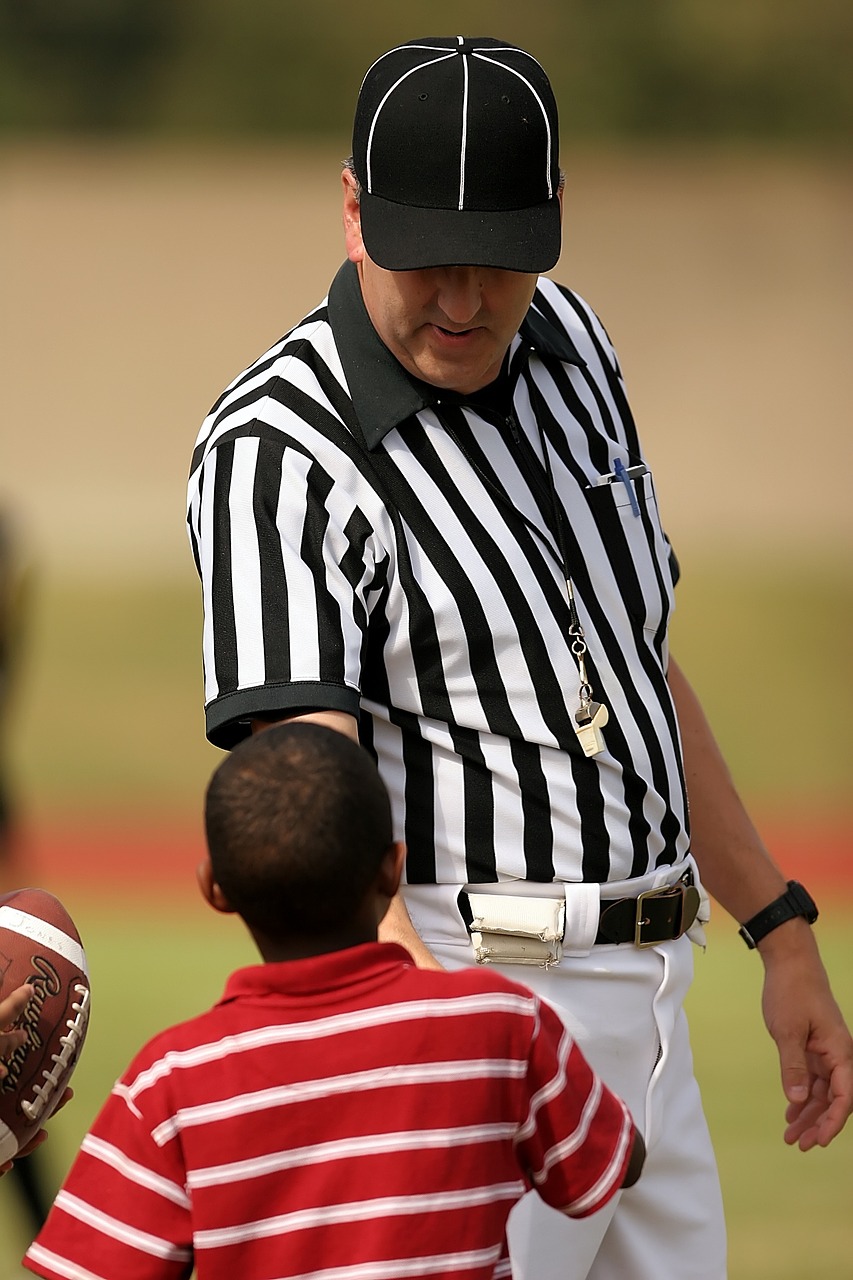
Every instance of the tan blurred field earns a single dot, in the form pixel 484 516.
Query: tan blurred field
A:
pixel 137 282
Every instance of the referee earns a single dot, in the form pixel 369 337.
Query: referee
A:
pixel 425 517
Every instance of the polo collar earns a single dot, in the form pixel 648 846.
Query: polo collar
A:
pixel 383 393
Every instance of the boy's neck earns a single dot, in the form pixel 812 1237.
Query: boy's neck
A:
pixel 278 950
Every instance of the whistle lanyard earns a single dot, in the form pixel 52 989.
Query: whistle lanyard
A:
pixel 590 716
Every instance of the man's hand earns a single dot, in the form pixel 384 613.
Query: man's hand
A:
pixel 815 1046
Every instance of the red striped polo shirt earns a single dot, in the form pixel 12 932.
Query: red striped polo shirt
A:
pixel 344 1117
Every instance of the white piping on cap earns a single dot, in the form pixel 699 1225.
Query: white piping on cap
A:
pixel 421 66
pixel 464 131
pixel 503 66
pixel 444 55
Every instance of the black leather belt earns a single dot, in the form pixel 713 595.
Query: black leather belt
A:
pixel 659 915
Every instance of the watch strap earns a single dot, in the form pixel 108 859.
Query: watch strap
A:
pixel 794 902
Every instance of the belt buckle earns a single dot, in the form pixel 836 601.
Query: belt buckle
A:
pixel 666 891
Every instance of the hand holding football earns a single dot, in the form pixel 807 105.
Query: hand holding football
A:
pixel 39 948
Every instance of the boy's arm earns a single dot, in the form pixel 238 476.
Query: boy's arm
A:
pixel 579 1141
pixel 123 1208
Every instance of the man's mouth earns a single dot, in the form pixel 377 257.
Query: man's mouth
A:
pixel 454 335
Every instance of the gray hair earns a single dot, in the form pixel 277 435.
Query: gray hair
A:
pixel 349 166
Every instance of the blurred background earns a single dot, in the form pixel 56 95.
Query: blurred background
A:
pixel 169 205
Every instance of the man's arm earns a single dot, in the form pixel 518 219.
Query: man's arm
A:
pixel 397 925
pixel 814 1044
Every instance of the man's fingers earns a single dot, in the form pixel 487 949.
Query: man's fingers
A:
pixel 796 1077
pixel 820 1119
pixel 804 1119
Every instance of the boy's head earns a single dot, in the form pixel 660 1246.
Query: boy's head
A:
pixel 299 837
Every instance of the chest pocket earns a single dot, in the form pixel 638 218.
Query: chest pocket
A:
pixel 638 553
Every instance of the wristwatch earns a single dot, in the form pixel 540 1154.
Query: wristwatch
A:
pixel 796 902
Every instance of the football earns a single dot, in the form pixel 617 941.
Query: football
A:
pixel 40 945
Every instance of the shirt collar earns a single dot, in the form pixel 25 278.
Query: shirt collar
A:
pixel 383 393
pixel 367 965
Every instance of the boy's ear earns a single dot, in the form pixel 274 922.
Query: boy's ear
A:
pixel 391 869
pixel 210 890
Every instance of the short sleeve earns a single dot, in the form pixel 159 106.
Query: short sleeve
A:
pixel 576 1140
pixel 286 558
pixel 123 1209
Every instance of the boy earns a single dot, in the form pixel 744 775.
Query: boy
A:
pixel 340 1113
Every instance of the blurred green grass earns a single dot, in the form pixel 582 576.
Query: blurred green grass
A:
pixel 109 708
pixel 766 643
pixel 789 1213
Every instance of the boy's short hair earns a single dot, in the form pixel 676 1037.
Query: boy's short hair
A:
pixel 297 822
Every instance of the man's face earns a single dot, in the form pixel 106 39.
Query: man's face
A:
pixel 449 326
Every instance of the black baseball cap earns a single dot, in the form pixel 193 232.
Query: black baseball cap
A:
pixel 456 148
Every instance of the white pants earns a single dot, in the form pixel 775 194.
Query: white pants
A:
pixel 624 1006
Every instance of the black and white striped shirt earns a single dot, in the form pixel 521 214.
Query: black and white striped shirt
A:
pixel 371 544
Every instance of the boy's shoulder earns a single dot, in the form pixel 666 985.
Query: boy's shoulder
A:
pixel 473 980
pixel 170 1043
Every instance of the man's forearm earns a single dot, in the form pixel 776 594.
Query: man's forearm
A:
pixel 735 865
pixel 397 927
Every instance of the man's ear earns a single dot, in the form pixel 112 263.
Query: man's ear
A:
pixel 352 218
pixel 210 890
pixel 391 869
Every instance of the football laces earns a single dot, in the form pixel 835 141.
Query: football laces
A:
pixel 71 1041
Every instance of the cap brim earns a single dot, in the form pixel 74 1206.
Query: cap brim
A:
pixel 402 237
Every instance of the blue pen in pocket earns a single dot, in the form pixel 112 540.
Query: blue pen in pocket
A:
pixel 621 474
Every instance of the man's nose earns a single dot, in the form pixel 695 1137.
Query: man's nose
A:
pixel 460 293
